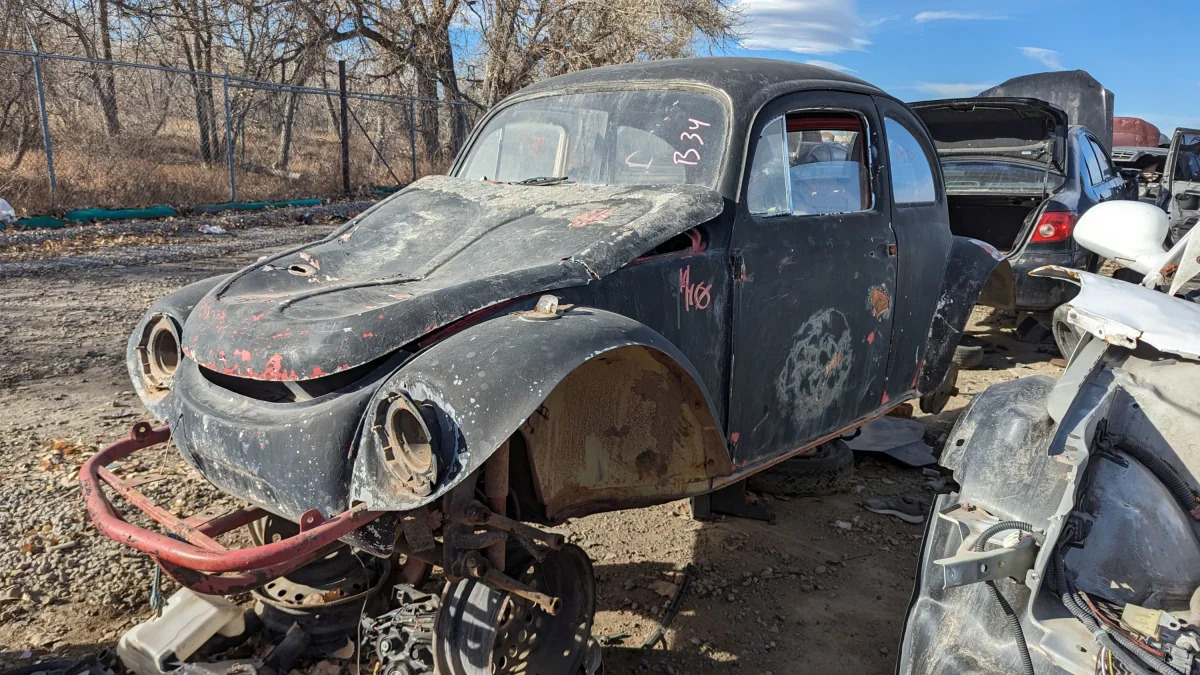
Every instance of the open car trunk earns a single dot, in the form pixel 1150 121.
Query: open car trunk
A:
pixel 1000 220
pixel 1012 147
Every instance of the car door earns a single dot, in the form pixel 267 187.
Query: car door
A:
pixel 1180 193
pixel 814 275
pixel 923 239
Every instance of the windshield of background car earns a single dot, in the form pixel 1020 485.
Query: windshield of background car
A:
pixel 632 137
pixel 993 176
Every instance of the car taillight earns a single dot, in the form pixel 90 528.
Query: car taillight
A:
pixel 1055 226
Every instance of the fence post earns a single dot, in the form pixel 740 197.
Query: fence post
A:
pixel 412 136
pixel 345 127
pixel 229 137
pixel 46 143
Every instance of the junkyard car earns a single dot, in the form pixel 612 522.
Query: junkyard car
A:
pixel 639 283
pixel 1019 176
pixel 1071 542
pixel 1179 194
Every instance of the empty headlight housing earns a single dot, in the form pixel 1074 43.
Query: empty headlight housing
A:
pixel 159 354
pixel 407 445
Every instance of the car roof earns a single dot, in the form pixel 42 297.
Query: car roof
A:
pixel 739 77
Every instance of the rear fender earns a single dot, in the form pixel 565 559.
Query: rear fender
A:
pixel 612 415
pixel 975 272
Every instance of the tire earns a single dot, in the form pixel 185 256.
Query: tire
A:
pixel 828 468
pixel 1066 336
pixel 968 357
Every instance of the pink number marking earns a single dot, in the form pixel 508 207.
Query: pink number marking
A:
pixel 694 137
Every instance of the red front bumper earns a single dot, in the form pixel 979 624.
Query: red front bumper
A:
pixel 191 555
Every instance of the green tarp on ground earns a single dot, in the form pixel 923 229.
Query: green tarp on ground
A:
pixel 88 215
pixel 39 221
pixel 252 206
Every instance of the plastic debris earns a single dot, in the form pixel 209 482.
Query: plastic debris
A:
pixel 187 622
pixel 8 215
pixel 212 229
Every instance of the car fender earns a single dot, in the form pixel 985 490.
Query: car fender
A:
pixel 175 306
pixel 611 414
pixel 974 272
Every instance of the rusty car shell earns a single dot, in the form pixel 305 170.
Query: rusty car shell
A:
pixel 1081 461
pixel 688 344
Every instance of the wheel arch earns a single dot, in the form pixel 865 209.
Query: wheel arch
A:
pixel 612 415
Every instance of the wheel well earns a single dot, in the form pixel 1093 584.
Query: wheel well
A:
pixel 629 427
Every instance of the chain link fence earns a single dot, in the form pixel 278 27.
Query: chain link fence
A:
pixel 82 133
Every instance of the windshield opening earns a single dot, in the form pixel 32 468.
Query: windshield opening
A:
pixel 632 137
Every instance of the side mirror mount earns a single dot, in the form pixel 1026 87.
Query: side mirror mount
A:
pixel 1127 232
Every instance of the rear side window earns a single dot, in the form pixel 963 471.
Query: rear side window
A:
pixel 1095 175
pixel 809 164
pixel 1106 169
pixel 912 172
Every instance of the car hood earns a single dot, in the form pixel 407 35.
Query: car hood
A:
pixel 1022 128
pixel 435 252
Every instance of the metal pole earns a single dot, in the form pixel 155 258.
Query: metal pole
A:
pixel 46 143
pixel 229 138
pixel 412 136
pixel 345 127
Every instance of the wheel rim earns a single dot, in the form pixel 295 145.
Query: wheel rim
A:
pixel 481 631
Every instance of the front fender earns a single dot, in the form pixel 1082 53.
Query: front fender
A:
pixel 974 268
pixel 611 413
pixel 176 306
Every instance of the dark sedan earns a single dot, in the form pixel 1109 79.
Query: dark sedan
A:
pixel 1018 177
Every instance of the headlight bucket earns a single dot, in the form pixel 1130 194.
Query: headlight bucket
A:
pixel 159 355
pixel 406 443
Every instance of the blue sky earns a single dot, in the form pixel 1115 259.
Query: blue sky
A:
pixel 931 49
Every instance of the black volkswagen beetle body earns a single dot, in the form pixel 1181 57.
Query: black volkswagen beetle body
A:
pixel 638 283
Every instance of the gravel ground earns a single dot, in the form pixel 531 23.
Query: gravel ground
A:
pixel 823 589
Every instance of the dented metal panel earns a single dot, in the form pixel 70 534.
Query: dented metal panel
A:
pixel 1125 314
pixel 436 251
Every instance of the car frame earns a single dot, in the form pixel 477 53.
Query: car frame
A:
pixel 560 348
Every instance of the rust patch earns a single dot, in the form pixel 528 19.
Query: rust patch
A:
pixel 833 363
pixel 880 301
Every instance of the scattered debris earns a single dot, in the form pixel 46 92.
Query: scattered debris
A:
pixel 672 610
pixel 186 623
pixel 8 214
pixel 899 438
pixel 211 229
pixel 906 508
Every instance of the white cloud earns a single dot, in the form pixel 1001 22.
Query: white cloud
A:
pixel 875 23
pixel 802 26
pixel 1047 57
pixel 830 65
pixel 952 89
pixel 926 17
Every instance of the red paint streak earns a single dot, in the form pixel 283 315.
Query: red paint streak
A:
pixel 871 338
pixel 698 295
pixel 368 335
pixel 885 398
pixel 734 436
pixel 698 245
pixel 317 372
pixel 258 316
pixel 274 368
pixel 380 316
pixel 591 217
pixel 245 354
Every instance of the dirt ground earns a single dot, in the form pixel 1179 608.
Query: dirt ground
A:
pixel 822 589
